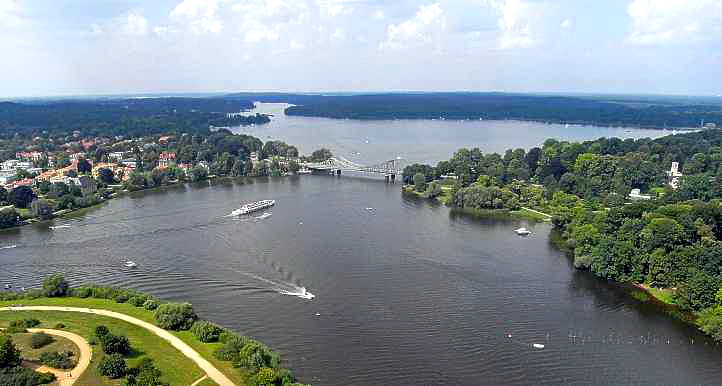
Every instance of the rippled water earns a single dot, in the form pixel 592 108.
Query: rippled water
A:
pixel 426 141
pixel 408 293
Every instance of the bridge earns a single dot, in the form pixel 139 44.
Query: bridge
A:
pixel 334 165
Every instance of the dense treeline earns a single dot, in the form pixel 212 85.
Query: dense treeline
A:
pixel 641 112
pixel 672 240
pixel 129 117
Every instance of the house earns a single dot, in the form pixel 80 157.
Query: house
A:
pixel 77 156
pixel 166 158
pixel 116 155
pixel 254 157
pixel 673 175
pixel 23 182
pixel 635 194
pixel 164 140
pixel 184 166
pixel 29 155
pixel 87 185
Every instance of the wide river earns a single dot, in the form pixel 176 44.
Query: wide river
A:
pixel 407 292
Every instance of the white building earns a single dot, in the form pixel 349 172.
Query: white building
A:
pixel 673 175
pixel 635 194
pixel 116 155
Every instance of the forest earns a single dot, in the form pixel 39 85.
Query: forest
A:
pixel 671 241
pixel 645 112
pixel 128 117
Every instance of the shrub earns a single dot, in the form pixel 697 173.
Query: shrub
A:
pixel 138 300
pixel 40 339
pixel 57 360
pixel 255 355
pixel 175 316
pixel 115 344
pixel 121 298
pixel 9 354
pixel 144 374
pixel 206 331
pixel 101 331
pixel 55 286
pixel 112 366
pixel 151 304
pixel 24 376
pixel 231 348
pixel 19 326
pixel 59 326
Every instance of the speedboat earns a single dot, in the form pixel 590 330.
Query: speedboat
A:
pixel 305 294
pixel 130 264
pixel 263 216
pixel 253 206
pixel 8 286
pixel 522 231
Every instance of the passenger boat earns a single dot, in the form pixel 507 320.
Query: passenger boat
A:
pixel 522 231
pixel 253 206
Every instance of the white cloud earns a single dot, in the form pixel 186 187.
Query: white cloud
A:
pixel 135 25
pixel 674 21
pixel 10 16
pixel 426 26
pixel 199 15
pixel 517 23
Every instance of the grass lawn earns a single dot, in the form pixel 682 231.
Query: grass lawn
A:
pixel 176 368
pixel 525 213
pixel 205 349
pixel 664 295
pixel 59 344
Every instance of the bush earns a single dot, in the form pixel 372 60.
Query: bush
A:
pixel 121 298
pixel 57 360
pixel 255 355
pixel 55 286
pixel 175 316
pixel 24 376
pixel 101 331
pixel 151 304
pixel 115 344
pixel 59 326
pixel 206 331
pixel 40 339
pixel 231 348
pixel 20 326
pixel 144 374
pixel 112 366
pixel 9 354
pixel 138 300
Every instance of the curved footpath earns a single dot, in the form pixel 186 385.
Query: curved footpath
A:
pixel 212 372
pixel 68 377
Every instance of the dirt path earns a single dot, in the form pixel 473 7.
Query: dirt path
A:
pixel 201 379
pixel 212 372
pixel 67 377
pixel 537 212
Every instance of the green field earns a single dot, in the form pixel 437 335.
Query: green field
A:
pixel 176 368
pixel 59 344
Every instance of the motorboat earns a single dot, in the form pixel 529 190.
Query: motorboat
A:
pixel 130 264
pixel 264 216
pixel 305 294
pixel 538 346
pixel 522 231
pixel 253 207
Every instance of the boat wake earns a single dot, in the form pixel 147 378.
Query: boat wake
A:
pixel 59 227
pixel 283 288
pixel 9 246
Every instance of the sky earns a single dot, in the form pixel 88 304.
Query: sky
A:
pixel 74 47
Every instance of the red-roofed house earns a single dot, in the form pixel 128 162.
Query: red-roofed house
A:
pixel 166 158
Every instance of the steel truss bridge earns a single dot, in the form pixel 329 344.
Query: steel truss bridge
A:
pixel 390 168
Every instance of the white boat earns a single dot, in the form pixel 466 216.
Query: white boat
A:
pixel 253 206
pixel 538 346
pixel 264 215
pixel 130 264
pixel 8 286
pixel 305 294
pixel 522 231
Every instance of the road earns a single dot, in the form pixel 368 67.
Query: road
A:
pixel 212 372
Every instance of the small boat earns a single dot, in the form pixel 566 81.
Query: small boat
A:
pixel 264 216
pixel 370 209
pixel 538 346
pixel 8 286
pixel 318 314
pixel 130 264
pixel 253 206
pixel 522 231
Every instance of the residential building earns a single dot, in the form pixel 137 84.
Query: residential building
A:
pixel 674 175
pixel 166 158
pixel 635 194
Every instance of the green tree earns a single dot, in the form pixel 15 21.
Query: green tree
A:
pixel 175 316
pixel 21 196
pixel 84 166
pixel 55 286
pixel 321 155
pixel 433 189
pixel 419 182
pixel 206 331
pixel 697 292
pixel 112 366
pixel 9 354
pixel 8 217
pixel 198 173
pixel 41 208
pixel 106 176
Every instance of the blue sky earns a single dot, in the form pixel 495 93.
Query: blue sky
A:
pixel 70 47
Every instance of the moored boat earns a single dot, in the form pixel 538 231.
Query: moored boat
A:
pixel 522 231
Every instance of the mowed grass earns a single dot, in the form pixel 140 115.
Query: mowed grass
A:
pixel 205 349
pixel 176 368
pixel 59 344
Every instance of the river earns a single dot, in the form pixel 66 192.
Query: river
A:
pixel 407 292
